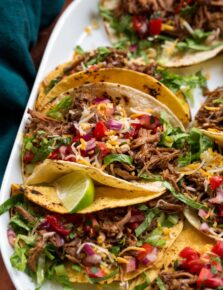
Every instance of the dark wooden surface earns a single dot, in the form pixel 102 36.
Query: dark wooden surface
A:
pixel 36 52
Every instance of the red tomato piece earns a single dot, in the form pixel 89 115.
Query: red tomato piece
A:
pixel 140 25
pixel 203 276
pixel 214 282
pixel 56 225
pixel 103 149
pixel 189 254
pixel 28 156
pixel 100 130
pixel 133 132
pixel 220 210
pixel 94 272
pixel 148 249
pixel 218 249
pixel 155 26
pixel 194 266
pixel 149 122
pixel 216 181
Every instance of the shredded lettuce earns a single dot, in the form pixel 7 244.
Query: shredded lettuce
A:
pixel 160 284
pixel 144 225
pixel 183 198
pixel 145 284
pixel 11 202
pixel 18 258
pixel 57 111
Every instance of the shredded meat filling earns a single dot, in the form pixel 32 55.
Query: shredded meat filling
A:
pixel 210 114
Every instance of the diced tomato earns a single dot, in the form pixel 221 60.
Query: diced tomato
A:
pixel 217 264
pixel 133 132
pixel 100 130
pixel 94 272
pixel 55 154
pixel 56 225
pixel 205 274
pixel 140 25
pixel 103 149
pixel 214 282
pixel 193 266
pixel 149 122
pixel 155 26
pixel 216 181
pixel 148 249
pixel 28 156
pixel 76 139
pixel 218 249
pixel 189 254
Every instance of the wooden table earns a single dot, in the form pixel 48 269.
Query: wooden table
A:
pixel 36 52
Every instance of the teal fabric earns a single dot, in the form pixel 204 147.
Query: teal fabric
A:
pixel 20 22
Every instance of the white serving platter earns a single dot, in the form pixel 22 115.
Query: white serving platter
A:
pixel 75 27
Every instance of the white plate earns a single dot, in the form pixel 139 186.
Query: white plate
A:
pixel 69 32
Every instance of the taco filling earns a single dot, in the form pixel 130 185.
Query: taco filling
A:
pixel 205 186
pixel 112 244
pixel 210 115
pixel 107 57
pixel 194 270
pixel 98 132
pixel 177 26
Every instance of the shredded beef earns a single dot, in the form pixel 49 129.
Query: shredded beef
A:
pixel 177 280
pixel 196 181
pixel 34 254
pixel 167 203
pixel 25 214
pixel 210 114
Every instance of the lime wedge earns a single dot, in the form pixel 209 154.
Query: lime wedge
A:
pixel 75 190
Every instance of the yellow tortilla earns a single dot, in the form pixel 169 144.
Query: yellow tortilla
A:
pixel 105 197
pixel 139 81
pixel 189 237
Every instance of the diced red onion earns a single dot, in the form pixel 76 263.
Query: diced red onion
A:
pixel 202 213
pixel 137 218
pixel 88 250
pixel 219 197
pixel 132 265
pixel 59 241
pixel 91 145
pixel 87 137
pixel 204 227
pixel 114 125
pixel 11 237
pixel 92 259
pixel 133 48
pixel 151 257
pixel 100 100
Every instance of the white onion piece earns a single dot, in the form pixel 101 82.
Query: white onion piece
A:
pixel 204 227
pixel 219 197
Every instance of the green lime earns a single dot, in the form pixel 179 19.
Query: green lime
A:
pixel 75 190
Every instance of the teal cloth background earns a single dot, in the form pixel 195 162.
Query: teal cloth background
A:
pixel 20 22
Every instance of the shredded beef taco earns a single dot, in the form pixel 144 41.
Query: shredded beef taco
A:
pixel 120 136
pixel 176 33
pixel 131 78
pixel 210 116
pixel 192 262
pixel 203 183
pixel 101 247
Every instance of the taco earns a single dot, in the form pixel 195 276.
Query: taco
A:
pixel 107 57
pixel 192 262
pixel 210 116
pixel 120 136
pixel 98 247
pixel 175 33
pixel 203 183
pixel 139 81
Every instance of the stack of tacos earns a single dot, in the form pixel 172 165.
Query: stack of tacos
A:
pixel 155 218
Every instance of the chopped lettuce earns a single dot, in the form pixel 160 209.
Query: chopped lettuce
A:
pixel 144 225
pixel 145 284
pixel 160 284
pixel 18 258
pixel 182 83
pixel 57 111
pixel 11 202
pixel 183 198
